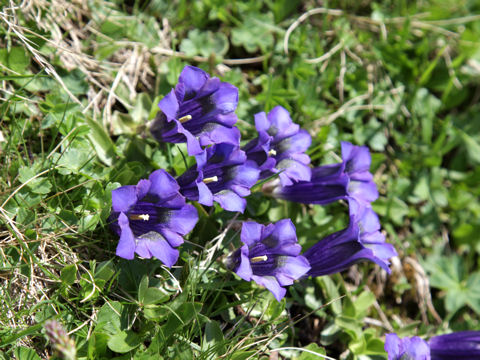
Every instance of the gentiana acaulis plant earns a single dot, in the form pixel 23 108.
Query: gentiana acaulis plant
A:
pixel 152 217
pixel 360 241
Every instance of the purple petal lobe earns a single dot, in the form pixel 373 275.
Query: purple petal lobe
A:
pixel 230 201
pixel 183 220
pixel 123 198
pixel 271 284
pixel 193 80
pixel 460 345
pixel 162 250
pixel 126 244
pixel 244 270
pixel 165 188
pixel 251 232
pixel 169 105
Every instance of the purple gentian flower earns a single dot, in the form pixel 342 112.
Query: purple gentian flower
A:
pixel 199 111
pixel 349 179
pixel 370 235
pixel 222 174
pixel 408 348
pixel 269 256
pixel 361 240
pixel 462 345
pixel 280 147
pixel 151 218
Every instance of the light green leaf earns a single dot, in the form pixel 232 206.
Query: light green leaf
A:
pixel 101 142
pixel 124 341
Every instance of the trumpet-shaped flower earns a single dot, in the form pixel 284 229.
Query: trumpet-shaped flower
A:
pixel 280 147
pixel 349 179
pixel 222 174
pixel 460 345
pixel 269 256
pixel 151 218
pixel 361 240
pixel 199 111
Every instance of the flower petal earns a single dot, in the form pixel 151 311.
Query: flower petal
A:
pixel 244 269
pixel 162 250
pixel 261 121
pixel 225 98
pixel 230 201
pixel 123 198
pixel 297 143
pixel 271 283
pixel 293 170
pixel 173 238
pixel 205 196
pixel 126 244
pixel 169 106
pixel 251 232
pixel 291 268
pixel 213 133
pixel 183 220
pixel 164 188
pixel 284 232
pixel 357 158
pixel 193 79
pixel 281 124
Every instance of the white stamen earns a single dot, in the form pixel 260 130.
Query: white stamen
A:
pixel 272 152
pixel 185 118
pixel 257 259
pixel 144 217
pixel 210 179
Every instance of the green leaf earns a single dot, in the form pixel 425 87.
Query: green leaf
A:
pixel 142 288
pixel 68 274
pixel 472 146
pixel 101 142
pixel 213 337
pixel 124 341
pixel 204 43
pixel 242 355
pixel 97 345
pixel 350 326
pixel 24 353
pixel 155 296
pixel 109 317
pixel 449 274
pixel 38 185
pixel 17 59
pixel 255 32
pixel 362 303
pixel 313 353
pixel 181 316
